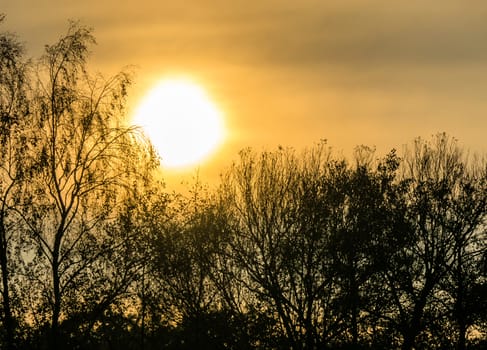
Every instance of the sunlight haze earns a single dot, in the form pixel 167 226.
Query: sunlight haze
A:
pixel 243 175
pixel 291 73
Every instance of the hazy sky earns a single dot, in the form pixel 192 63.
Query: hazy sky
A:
pixel 294 72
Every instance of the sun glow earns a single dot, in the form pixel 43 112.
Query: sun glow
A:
pixel 182 122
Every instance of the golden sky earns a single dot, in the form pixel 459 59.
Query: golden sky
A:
pixel 292 72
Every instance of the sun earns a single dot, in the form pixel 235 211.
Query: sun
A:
pixel 182 122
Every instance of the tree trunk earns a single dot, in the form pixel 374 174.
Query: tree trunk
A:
pixel 142 327
pixel 409 340
pixel 354 305
pixel 8 319
pixel 459 307
pixel 462 339
pixel 412 330
pixel 56 310
pixel 354 325
pixel 414 326
pixel 290 337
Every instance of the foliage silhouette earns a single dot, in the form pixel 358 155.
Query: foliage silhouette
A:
pixel 292 250
pixel 14 170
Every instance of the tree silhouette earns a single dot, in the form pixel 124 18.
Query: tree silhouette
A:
pixel 435 178
pixel 370 215
pixel 16 138
pixel 279 211
pixel 87 161
pixel 292 250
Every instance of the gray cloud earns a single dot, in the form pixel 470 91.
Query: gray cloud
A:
pixel 304 33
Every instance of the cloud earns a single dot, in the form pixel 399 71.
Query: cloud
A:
pixel 287 32
pixel 324 65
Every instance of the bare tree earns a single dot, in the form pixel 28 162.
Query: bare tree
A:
pixel 87 160
pixel 280 210
pixel 445 210
pixel 16 138
pixel 367 219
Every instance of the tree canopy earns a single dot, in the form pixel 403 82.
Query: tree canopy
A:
pixel 291 250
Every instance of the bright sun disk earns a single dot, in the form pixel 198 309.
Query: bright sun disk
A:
pixel 182 122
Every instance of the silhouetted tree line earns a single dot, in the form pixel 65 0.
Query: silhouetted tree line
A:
pixel 291 251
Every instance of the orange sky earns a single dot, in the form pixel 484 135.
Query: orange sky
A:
pixel 293 72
